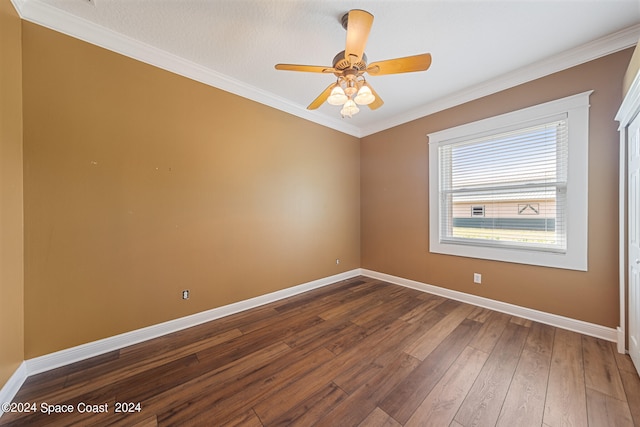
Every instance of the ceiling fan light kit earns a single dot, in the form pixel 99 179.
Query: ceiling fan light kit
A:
pixel 348 93
pixel 351 89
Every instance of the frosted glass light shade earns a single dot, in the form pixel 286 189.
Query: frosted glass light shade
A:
pixel 364 96
pixel 337 96
pixel 349 109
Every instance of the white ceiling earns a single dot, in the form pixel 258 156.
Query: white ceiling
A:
pixel 478 47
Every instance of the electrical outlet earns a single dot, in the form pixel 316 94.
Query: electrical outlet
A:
pixel 185 294
pixel 337 261
pixel 477 278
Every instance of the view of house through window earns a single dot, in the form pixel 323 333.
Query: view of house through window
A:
pixel 507 189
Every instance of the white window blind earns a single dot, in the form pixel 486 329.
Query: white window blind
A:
pixel 519 176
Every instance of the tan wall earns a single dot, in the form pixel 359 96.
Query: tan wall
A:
pixel 395 206
pixel 140 183
pixel 632 70
pixel 11 229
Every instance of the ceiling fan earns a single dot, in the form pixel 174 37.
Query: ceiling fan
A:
pixel 351 89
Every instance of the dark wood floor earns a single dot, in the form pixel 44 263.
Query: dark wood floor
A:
pixel 359 352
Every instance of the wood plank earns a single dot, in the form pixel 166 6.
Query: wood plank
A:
pixel 378 418
pixel 311 409
pixel 247 343
pixel 317 334
pixel 163 382
pixel 285 406
pixel 367 283
pixel 600 368
pixel 484 401
pixel 490 332
pixel 359 404
pixel 605 411
pixel 247 419
pixel 345 339
pixel 386 311
pixel 102 389
pixel 521 321
pixel 42 385
pixel 631 383
pixel 145 384
pixel 524 403
pixel 408 395
pixel 51 381
pixel 318 296
pixel 202 332
pixel 147 422
pixel 422 347
pixel 442 403
pixel 448 306
pixel 354 377
pixel 155 371
pixel 212 400
pixel 423 310
pixel 566 403
pixel 346 310
pixel 623 361
pixel 348 371
pixel 158 392
pixel 480 314
pixel 351 304
pixel 275 323
pixel 383 354
pixel 129 366
pixel 291 394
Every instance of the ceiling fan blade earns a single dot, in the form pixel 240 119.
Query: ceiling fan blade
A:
pixel 321 98
pixel 377 103
pixel 408 64
pixel 305 68
pixel 358 27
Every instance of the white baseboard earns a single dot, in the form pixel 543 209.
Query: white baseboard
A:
pixel 12 386
pixel 586 328
pixel 96 348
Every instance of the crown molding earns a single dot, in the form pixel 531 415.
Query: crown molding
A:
pixel 50 17
pixel 63 22
pixel 612 43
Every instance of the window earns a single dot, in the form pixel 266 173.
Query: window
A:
pixel 513 187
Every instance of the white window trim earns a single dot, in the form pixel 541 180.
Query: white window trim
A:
pixel 575 257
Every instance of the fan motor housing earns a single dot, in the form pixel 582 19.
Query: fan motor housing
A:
pixel 341 63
